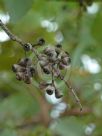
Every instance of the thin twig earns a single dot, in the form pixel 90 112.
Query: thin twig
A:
pixel 72 90
pixel 11 36
pixel 15 38
pixel 36 53
pixel 76 112
pixel 52 76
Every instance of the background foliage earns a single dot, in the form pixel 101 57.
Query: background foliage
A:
pixel 81 35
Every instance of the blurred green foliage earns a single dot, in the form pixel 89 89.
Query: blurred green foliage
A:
pixel 81 34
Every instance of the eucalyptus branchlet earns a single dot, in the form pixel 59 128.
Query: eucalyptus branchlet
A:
pixel 52 60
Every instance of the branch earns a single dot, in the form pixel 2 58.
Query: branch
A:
pixel 11 36
pixel 72 90
pixel 38 119
pixel 26 46
pixel 76 112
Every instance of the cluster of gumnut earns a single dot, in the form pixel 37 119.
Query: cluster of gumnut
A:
pixel 52 59
pixel 24 70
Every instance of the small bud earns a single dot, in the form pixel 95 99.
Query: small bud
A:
pixel 41 41
pixel 49 92
pixel 56 72
pixel 18 68
pixel 43 61
pixel 25 62
pixel 19 76
pixel 42 57
pixel 27 79
pixel 61 66
pixel 59 46
pixel 51 53
pixel 66 61
pixel 58 51
pixel 32 71
pixel 50 89
pixel 57 94
pixel 50 95
pixel 27 47
pixel 46 70
pixel 66 53
pixel 43 85
pixel 14 68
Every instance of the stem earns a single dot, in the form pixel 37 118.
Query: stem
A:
pixel 15 38
pixel 36 53
pixel 72 90
pixel 11 36
pixel 52 77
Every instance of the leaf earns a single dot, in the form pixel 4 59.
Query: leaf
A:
pixel 17 107
pixel 70 127
pixel 97 28
pixel 17 8
pixel 8 132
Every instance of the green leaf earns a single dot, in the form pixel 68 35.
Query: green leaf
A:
pixel 70 127
pixel 17 8
pixel 97 28
pixel 8 132
pixel 18 106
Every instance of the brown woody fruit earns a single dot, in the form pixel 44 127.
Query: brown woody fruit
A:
pixel 49 89
pixel 25 62
pixel 58 45
pixel 65 61
pixel 49 92
pixel 41 41
pixel 24 70
pixel 27 47
pixel 46 70
pixel 27 79
pixel 19 76
pixel 62 66
pixel 57 94
pixel 43 61
pixel 51 53
pixel 32 71
pixel 18 68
